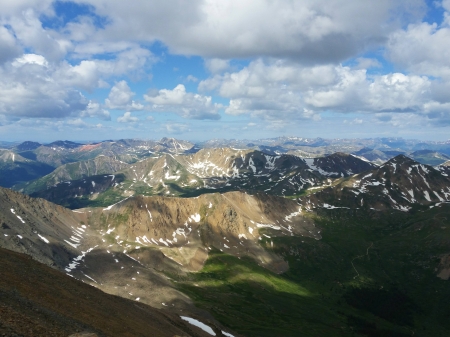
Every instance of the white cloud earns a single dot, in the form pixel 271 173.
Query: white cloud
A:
pixel 30 89
pixel 315 31
pixel 188 105
pixel 8 46
pixel 127 118
pixel 176 128
pixel 398 92
pixel 367 63
pixel 90 74
pixel 119 96
pixel 29 32
pixel 280 90
pixel 192 78
pixel 80 124
pixel 30 59
pixel 422 49
pixel 94 109
pixel 216 66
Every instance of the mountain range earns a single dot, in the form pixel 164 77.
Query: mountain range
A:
pixel 237 241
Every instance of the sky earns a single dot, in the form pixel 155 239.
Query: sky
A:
pixel 202 69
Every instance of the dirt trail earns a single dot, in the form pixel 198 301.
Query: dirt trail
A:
pixel 358 257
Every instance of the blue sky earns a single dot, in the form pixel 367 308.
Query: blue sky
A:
pixel 202 69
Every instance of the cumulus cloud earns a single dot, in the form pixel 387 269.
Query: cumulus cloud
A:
pixel 90 74
pixel 188 105
pixel 309 30
pixel 28 89
pixel 120 98
pixel 422 48
pixel 29 31
pixel 127 118
pixel 94 109
pixel 281 90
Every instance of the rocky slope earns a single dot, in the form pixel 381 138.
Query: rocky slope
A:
pixel 207 171
pixel 339 165
pixel 38 228
pixel 40 301
pixel 401 184
pixel 129 248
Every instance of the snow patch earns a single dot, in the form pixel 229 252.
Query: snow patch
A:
pixel 199 324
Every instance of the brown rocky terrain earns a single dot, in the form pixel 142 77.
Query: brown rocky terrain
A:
pixel 39 301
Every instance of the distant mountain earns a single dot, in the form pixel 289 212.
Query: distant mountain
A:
pixel 400 184
pixel 339 165
pixel 209 170
pixel 16 169
pixel 375 156
pixel 65 144
pixel 73 171
pixel 27 146
pixel 83 192
pixel 429 157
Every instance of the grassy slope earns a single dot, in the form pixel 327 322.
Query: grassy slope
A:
pixel 396 292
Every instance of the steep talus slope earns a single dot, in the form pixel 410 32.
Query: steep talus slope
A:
pixel 16 169
pixel 74 171
pixel 39 301
pixel 46 231
pixel 400 183
pixel 130 247
pixel 231 222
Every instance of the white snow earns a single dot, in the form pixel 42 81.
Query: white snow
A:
pixel 227 334
pixel 261 225
pixel 195 217
pixel 43 238
pixel 111 206
pixel 427 196
pixel 18 217
pixel 288 217
pixel 198 324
